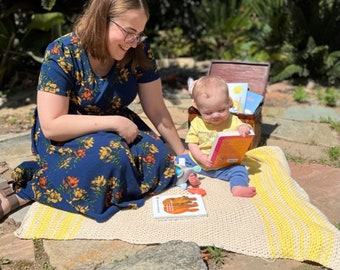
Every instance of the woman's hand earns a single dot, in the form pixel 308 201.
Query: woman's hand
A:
pixel 127 129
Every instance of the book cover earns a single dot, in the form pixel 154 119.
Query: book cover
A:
pixel 238 93
pixel 230 148
pixel 253 100
pixel 178 206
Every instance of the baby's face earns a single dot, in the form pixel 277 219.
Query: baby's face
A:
pixel 214 110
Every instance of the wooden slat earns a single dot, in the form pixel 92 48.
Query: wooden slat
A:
pixel 255 74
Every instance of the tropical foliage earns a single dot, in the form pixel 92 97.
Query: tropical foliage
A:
pixel 25 30
pixel 298 38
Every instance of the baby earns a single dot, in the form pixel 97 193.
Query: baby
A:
pixel 211 98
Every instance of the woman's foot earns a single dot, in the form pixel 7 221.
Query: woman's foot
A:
pixel 9 201
pixel 241 191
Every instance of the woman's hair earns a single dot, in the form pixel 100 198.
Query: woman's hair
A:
pixel 92 25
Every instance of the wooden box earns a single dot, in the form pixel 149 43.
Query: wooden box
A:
pixel 255 74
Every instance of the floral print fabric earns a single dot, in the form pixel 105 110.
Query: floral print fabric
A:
pixel 96 174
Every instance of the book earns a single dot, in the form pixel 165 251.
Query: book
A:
pixel 229 148
pixel 178 206
pixel 253 100
pixel 238 93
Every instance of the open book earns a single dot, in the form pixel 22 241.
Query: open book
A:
pixel 230 148
pixel 178 206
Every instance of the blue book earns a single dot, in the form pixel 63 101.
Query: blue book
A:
pixel 253 100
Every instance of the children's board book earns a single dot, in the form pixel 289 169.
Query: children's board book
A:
pixel 229 148
pixel 178 206
pixel 238 93
pixel 253 100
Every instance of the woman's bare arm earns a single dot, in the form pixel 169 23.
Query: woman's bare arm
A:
pixel 58 125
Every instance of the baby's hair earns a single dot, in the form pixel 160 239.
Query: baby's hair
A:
pixel 204 87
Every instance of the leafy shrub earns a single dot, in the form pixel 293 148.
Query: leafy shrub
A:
pixel 24 35
pixel 309 48
pixel 171 43
pixel 330 96
pixel 300 95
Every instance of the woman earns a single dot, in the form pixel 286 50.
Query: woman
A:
pixel 94 155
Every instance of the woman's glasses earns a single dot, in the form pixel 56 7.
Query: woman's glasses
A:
pixel 131 37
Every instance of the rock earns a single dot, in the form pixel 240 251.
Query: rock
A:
pixel 171 255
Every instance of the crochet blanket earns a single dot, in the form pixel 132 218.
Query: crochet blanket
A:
pixel 279 222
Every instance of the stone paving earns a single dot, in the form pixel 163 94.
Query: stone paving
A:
pixel 302 138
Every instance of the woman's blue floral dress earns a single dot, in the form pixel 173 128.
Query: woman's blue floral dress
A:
pixel 96 174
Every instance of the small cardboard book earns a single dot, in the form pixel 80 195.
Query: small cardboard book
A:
pixel 178 206
pixel 253 100
pixel 230 148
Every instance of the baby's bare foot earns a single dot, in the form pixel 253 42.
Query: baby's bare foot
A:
pixel 193 180
pixel 241 191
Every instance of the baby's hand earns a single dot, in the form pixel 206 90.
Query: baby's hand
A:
pixel 205 161
pixel 244 129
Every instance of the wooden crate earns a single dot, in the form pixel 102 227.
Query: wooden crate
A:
pixel 255 74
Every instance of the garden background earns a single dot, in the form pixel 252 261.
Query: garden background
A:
pixel 298 37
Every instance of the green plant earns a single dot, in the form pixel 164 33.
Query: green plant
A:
pixel 322 161
pixel 330 97
pixel 319 93
pixel 11 120
pixel 121 260
pixel 47 266
pixel 334 153
pixel 171 43
pixel 216 254
pixel 300 95
pixel 333 124
pixel 308 47
pixel 4 261
pixel 24 35
pixel 229 31
pixel 295 159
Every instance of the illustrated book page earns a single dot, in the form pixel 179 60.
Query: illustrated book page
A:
pixel 178 206
pixel 230 148
pixel 238 93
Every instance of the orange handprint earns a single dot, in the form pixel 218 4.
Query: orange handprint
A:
pixel 178 205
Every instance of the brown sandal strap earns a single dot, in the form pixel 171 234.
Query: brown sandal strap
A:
pixel 7 191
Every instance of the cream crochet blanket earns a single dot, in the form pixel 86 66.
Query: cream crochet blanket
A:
pixel 279 222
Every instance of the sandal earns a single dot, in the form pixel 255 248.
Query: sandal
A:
pixel 7 192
